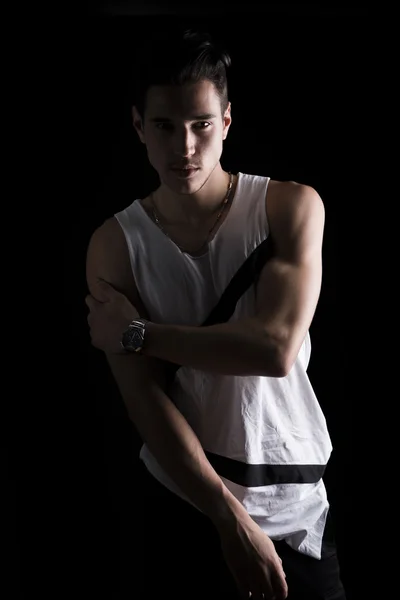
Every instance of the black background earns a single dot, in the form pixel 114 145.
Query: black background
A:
pixel 293 88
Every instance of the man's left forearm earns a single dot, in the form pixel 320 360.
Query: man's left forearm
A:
pixel 234 348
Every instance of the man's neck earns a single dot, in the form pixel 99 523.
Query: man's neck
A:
pixel 193 209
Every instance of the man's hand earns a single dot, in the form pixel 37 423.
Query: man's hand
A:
pixel 253 561
pixel 109 316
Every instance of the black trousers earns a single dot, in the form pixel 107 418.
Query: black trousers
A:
pixel 171 550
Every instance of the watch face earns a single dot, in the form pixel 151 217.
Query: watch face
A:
pixel 133 337
pixel 136 338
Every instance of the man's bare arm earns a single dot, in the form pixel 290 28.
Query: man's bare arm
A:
pixel 287 294
pixel 142 383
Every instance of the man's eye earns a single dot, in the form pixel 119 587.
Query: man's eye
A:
pixel 199 125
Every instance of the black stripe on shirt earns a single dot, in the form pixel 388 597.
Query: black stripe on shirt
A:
pixel 258 475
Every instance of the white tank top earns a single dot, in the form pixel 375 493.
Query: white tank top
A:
pixel 266 437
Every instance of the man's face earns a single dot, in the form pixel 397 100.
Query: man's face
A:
pixel 183 127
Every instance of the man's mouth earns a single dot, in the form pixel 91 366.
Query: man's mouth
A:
pixel 186 172
pixel 184 168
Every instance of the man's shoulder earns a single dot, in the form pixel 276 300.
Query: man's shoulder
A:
pixel 291 188
pixel 107 244
pixel 108 258
pixel 283 196
pixel 108 231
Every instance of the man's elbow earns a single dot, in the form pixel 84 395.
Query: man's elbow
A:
pixel 278 368
pixel 284 365
pixel 280 363
pixel 286 356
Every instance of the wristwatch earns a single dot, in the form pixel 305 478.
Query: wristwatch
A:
pixel 133 337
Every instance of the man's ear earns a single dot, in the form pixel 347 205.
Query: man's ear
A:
pixel 227 121
pixel 138 124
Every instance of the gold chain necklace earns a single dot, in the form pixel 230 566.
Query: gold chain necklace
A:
pixel 213 226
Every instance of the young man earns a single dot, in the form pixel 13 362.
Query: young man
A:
pixel 235 449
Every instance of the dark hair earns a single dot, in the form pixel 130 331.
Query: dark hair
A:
pixel 187 57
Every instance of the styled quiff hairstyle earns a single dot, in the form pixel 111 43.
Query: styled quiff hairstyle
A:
pixel 188 56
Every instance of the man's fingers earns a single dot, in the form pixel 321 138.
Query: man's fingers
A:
pixel 89 301
pixel 92 302
pixel 104 291
pixel 280 586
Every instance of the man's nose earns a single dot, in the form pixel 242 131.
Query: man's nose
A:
pixel 184 144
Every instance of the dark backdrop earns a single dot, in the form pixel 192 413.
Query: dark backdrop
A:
pixel 292 82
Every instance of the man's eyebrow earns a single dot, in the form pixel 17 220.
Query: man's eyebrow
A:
pixel 204 117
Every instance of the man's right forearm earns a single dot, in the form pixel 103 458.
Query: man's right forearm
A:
pixel 177 449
